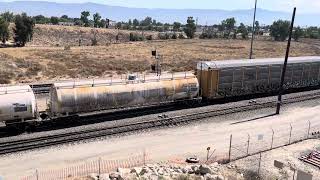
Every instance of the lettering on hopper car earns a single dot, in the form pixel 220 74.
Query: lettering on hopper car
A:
pixel 190 88
pixel 19 107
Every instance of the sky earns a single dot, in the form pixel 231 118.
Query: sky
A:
pixel 304 6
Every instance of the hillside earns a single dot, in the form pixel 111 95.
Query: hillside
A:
pixel 43 60
pixel 210 16
pixel 53 35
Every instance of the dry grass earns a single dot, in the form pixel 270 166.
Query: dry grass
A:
pixel 54 35
pixel 43 63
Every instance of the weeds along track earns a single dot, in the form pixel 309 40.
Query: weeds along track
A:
pixel 51 140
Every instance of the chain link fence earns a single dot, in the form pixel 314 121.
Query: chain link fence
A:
pixel 99 166
pixel 240 146
pixel 252 146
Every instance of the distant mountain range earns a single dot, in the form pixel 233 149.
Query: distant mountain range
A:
pixel 208 16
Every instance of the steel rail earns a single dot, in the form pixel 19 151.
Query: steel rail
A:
pixel 51 140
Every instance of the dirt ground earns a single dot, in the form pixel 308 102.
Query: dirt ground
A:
pixel 41 63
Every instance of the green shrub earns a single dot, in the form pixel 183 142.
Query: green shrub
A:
pixel 181 36
pixel 149 37
pixel 174 36
pixel 136 37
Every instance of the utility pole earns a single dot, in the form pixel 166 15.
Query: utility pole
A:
pixel 253 28
pixel 284 68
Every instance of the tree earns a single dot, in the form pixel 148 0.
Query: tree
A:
pixel 4 30
pixel 166 26
pixel 77 21
pixel 23 30
pixel 228 25
pixel 64 17
pixel 159 24
pixel 297 33
pixel 176 26
pixel 154 22
pixel 256 27
pixel 96 19
pixel 119 25
pixel 312 32
pixel 54 20
pixel 279 30
pixel 190 28
pixel 103 23
pixel 135 22
pixel 8 16
pixel 130 22
pixel 84 18
pixel 146 22
pixel 40 19
pixel 243 30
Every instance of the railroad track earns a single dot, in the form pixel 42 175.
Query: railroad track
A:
pixel 40 142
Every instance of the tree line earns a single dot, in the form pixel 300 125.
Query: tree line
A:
pixel 23 28
pixel 279 30
pixel 149 24
pixel 24 24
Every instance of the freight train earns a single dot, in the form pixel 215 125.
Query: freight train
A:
pixel 212 80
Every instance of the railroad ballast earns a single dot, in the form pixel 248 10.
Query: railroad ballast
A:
pixel 213 80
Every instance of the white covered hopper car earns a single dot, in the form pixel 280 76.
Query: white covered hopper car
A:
pixel 17 104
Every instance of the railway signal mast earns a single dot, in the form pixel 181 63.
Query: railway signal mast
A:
pixel 284 68
pixel 157 66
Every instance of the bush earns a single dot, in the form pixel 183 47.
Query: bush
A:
pixel 164 36
pixel 206 35
pixel 94 42
pixel 174 36
pixel 67 47
pixel 5 77
pixel 279 30
pixel 181 36
pixel 203 35
pixel 136 37
pixel 149 37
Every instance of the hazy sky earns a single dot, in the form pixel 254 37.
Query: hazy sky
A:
pixel 305 6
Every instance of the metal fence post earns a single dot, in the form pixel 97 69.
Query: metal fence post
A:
pixel 248 144
pixel 272 138
pixel 37 174
pixel 99 173
pixel 144 157
pixel 290 133
pixel 230 148
pixel 309 129
pixel 259 164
